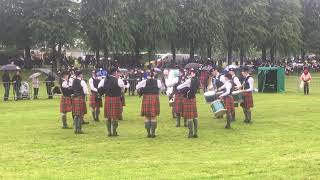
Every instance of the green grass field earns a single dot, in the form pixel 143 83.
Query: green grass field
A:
pixel 282 143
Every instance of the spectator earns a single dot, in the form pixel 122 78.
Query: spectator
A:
pixel 49 85
pixel 16 80
pixel 35 85
pixel 305 79
pixel 6 84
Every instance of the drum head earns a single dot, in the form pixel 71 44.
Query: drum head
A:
pixel 209 93
pixel 220 112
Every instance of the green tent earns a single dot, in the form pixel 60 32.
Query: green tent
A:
pixel 271 79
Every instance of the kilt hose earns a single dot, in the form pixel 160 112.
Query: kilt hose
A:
pixel 189 108
pixel 113 108
pixel 229 103
pixel 178 103
pixel 78 106
pixel 123 101
pixel 65 104
pixel 150 105
pixel 93 102
pixel 247 100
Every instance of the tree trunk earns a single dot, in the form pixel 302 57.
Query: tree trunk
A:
pixel 264 54
pixel 97 52
pixel 27 58
pixel 149 54
pixel 192 51
pixel 54 57
pixel 229 55
pixel 272 54
pixel 173 51
pixel 303 54
pixel 242 54
pixel 209 51
pixel 106 56
pixel 59 57
pixel 136 54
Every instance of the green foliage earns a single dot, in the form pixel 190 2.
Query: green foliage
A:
pixel 282 26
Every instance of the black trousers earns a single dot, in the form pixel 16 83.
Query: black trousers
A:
pixel 6 91
pixel 17 91
pixel 49 91
pixel 306 88
pixel 35 93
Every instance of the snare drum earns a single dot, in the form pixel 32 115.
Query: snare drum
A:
pixel 218 108
pixel 210 96
pixel 237 96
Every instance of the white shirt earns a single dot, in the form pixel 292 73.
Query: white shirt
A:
pixel 187 83
pixel 120 83
pixel 251 82
pixel 143 83
pixel 91 85
pixel 172 82
pixel 66 84
pixel 236 81
pixel 227 86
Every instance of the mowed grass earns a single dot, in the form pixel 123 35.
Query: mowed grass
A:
pixel 282 142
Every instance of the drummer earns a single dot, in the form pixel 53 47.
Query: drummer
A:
pixel 216 81
pixel 247 95
pixel 236 86
pixel 228 98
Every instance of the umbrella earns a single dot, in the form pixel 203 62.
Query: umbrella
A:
pixel 34 75
pixel 10 67
pixel 193 65
pixel 206 68
pixel 48 72
pixel 157 70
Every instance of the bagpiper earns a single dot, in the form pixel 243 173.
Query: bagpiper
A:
pixel 177 95
pixel 247 95
pixel 79 89
pixel 95 101
pixel 65 100
pixel 190 88
pixel 150 108
pixel 112 86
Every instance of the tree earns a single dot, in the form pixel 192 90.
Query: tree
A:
pixel 311 26
pixel 284 27
pixel 55 22
pixel 244 24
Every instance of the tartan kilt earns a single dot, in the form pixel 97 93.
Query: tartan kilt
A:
pixel 189 108
pixel 78 106
pixel 150 105
pixel 113 108
pixel 229 103
pixel 178 103
pixel 247 100
pixel 93 102
pixel 65 104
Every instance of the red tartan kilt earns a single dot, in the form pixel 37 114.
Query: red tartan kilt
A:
pixel 178 103
pixel 93 102
pixel 113 108
pixel 150 105
pixel 247 100
pixel 78 106
pixel 65 104
pixel 189 108
pixel 229 103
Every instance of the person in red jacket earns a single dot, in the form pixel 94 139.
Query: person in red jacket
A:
pixel 305 79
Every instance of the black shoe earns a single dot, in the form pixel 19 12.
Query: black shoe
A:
pixel 149 136
pixel 85 122
pixel 178 125
pixel 190 136
pixel 109 135
pixel 195 136
pixel 227 127
pixel 153 136
pixel 66 127
pixel 79 132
